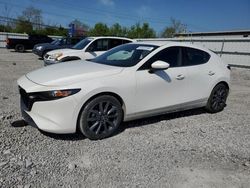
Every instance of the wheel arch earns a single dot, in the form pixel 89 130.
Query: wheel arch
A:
pixel 113 94
pixel 70 58
pixel 222 82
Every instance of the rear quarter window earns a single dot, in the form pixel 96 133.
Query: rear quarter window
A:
pixel 192 56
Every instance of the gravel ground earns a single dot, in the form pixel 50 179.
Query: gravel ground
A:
pixel 186 149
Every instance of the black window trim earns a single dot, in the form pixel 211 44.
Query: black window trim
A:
pixel 180 58
pixel 183 48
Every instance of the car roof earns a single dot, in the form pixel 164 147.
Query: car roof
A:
pixel 172 43
pixel 110 37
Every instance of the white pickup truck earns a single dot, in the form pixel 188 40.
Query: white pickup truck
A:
pixel 87 48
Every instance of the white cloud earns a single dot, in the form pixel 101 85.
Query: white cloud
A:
pixel 107 2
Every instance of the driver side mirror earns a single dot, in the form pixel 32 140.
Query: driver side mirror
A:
pixel 159 65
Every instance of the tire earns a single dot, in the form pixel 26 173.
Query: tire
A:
pixel 100 117
pixel 217 99
pixel 20 48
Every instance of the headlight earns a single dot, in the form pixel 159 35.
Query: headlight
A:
pixel 39 47
pixel 56 55
pixel 63 93
pixel 52 95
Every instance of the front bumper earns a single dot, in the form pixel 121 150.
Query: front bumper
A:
pixel 54 116
pixel 37 52
pixel 49 61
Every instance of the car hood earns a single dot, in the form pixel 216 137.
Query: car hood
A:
pixel 71 72
pixel 64 51
pixel 42 44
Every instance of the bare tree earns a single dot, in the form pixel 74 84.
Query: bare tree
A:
pixel 175 27
pixel 34 16
pixel 6 13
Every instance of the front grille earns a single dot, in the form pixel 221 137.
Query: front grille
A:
pixel 25 99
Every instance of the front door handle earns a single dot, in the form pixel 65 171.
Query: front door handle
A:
pixel 180 77
pixel 211 73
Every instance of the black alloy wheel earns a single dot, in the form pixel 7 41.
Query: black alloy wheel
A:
pixel 217 99
pixel 101 117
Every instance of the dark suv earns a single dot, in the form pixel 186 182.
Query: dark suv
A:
pixel 43 48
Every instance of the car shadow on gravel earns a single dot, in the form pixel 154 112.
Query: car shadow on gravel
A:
pixel 126 125
pixel 25 52
pixel 164 117
pixel 72 137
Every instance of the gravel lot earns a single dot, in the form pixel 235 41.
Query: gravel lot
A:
pixel 186 149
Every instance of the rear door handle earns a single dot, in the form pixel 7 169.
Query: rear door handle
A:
pixel 180 77
pixel 211 73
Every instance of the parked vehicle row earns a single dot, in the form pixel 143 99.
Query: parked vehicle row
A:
pixel 131 81
pixel 88 48
pixel 66 42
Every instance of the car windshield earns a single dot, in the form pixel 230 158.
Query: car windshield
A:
pixel 126 55
pixel 80 45
pixel 55 42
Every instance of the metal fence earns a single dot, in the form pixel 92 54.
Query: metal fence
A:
pixel 234 51
pixel 5 35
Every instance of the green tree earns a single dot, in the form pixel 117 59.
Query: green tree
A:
pixel 60 31
pixel 100 29
pixel 5 28
pixel 175 27
pixel 138 31
pixel 23 26
pixel 117 30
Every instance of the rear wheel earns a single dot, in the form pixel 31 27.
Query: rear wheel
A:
pixel 217 99
pixel 101 117
pixel 20 48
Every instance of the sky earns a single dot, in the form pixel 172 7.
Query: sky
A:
pixel 197 15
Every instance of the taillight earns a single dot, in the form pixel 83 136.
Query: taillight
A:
pixel 7 41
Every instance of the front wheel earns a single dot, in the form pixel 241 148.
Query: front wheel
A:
pixel 217 99
pixel 101 117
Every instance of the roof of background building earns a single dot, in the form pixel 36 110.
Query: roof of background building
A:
pixel 245 33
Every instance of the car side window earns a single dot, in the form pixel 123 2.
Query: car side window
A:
pixel 62 41
pixel 193 56
pixel 99 45
pixel 114 43
pixel 68 41
pixel 171 55
pixel 126 41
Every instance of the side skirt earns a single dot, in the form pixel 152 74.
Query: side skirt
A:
pixel 165 110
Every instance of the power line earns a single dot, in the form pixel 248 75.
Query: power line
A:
pixel 160 21
pixel 93 11
pixel 13 20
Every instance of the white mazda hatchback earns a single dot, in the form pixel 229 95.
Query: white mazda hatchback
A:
pixel 131 81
